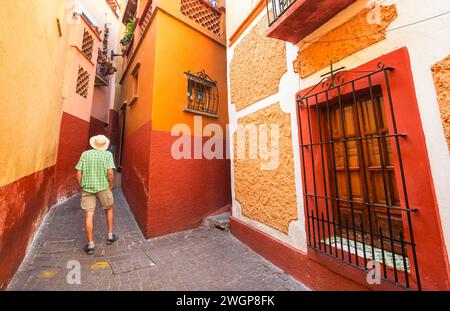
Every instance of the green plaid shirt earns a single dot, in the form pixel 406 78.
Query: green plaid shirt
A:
pixel 95 164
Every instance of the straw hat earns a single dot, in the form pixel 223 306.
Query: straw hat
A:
pixel 99 142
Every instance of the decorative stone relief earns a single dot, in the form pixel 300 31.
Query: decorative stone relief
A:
pixel 441 76
pixel 256 68
pixel 268 196
pixel 341 42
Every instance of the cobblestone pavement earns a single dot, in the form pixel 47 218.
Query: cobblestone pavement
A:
pixel 200 259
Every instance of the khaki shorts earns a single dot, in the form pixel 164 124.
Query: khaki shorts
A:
pixel 89 200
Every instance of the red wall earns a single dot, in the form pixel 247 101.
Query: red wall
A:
pixel 291 260
pixel 22 206
pixel 112 130
pixel 73 141
pixel 135 173
pixel 183 192
pixel 97 127
pixel 168 195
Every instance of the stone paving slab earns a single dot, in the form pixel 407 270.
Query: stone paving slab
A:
pixel 199 259
pixel 134 259
pixel 54 247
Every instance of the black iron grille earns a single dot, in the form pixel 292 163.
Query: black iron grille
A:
pixel 277 8
pixel 352 170
pixel 202 94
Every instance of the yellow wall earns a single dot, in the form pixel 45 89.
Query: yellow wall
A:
pixel 30 85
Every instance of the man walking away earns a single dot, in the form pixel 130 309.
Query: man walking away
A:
pixel 95 174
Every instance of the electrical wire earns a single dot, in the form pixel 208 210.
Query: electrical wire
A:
pixel 379 32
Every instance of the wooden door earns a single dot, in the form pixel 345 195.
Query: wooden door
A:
pixel 361 171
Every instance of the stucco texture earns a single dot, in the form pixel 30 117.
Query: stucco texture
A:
pixel 268 196
pixel 256 68
pixel 353 36
pixel 441 76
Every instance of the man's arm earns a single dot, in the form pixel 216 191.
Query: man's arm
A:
pixel 111 178
pixel 79 176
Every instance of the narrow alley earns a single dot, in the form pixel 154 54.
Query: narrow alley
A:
pixel 199 259
pixel 317 131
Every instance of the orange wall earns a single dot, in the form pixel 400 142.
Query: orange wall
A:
pixel 167 195
pixel 32 58
pixel 170 48
pixel 140 112
pixel 187 49
pixel 173 8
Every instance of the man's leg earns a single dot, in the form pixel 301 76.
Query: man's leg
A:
pixel 88 202
pixel 89 225
pixel 107 200
pixel 110 218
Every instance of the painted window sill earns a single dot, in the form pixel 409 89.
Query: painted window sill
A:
pixel 133 100
pixel 199 112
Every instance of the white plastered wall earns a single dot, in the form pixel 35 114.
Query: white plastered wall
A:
pixel 289 86
pixel 428 42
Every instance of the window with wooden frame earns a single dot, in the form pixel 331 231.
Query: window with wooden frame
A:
pixel 350 183
pixel 202 94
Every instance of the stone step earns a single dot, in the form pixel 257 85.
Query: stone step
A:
pixel 220 221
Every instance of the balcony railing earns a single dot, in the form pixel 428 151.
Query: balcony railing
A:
pixel 105 69
pixel 277 8
pixel 146 17
pixel 140 26
pixel 292 20
pixel 205 14
pixel 115 6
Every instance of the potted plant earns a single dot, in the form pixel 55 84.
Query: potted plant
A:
pixel 129 32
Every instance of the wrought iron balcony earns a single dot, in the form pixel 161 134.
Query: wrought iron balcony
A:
pixel 293 20
pixel 277 9
pixel 115 6
pixel 105 69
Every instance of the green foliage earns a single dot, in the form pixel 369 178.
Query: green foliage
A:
pixel 130 31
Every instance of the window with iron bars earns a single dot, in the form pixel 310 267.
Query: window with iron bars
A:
pixel 202 94
pixel 351 180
